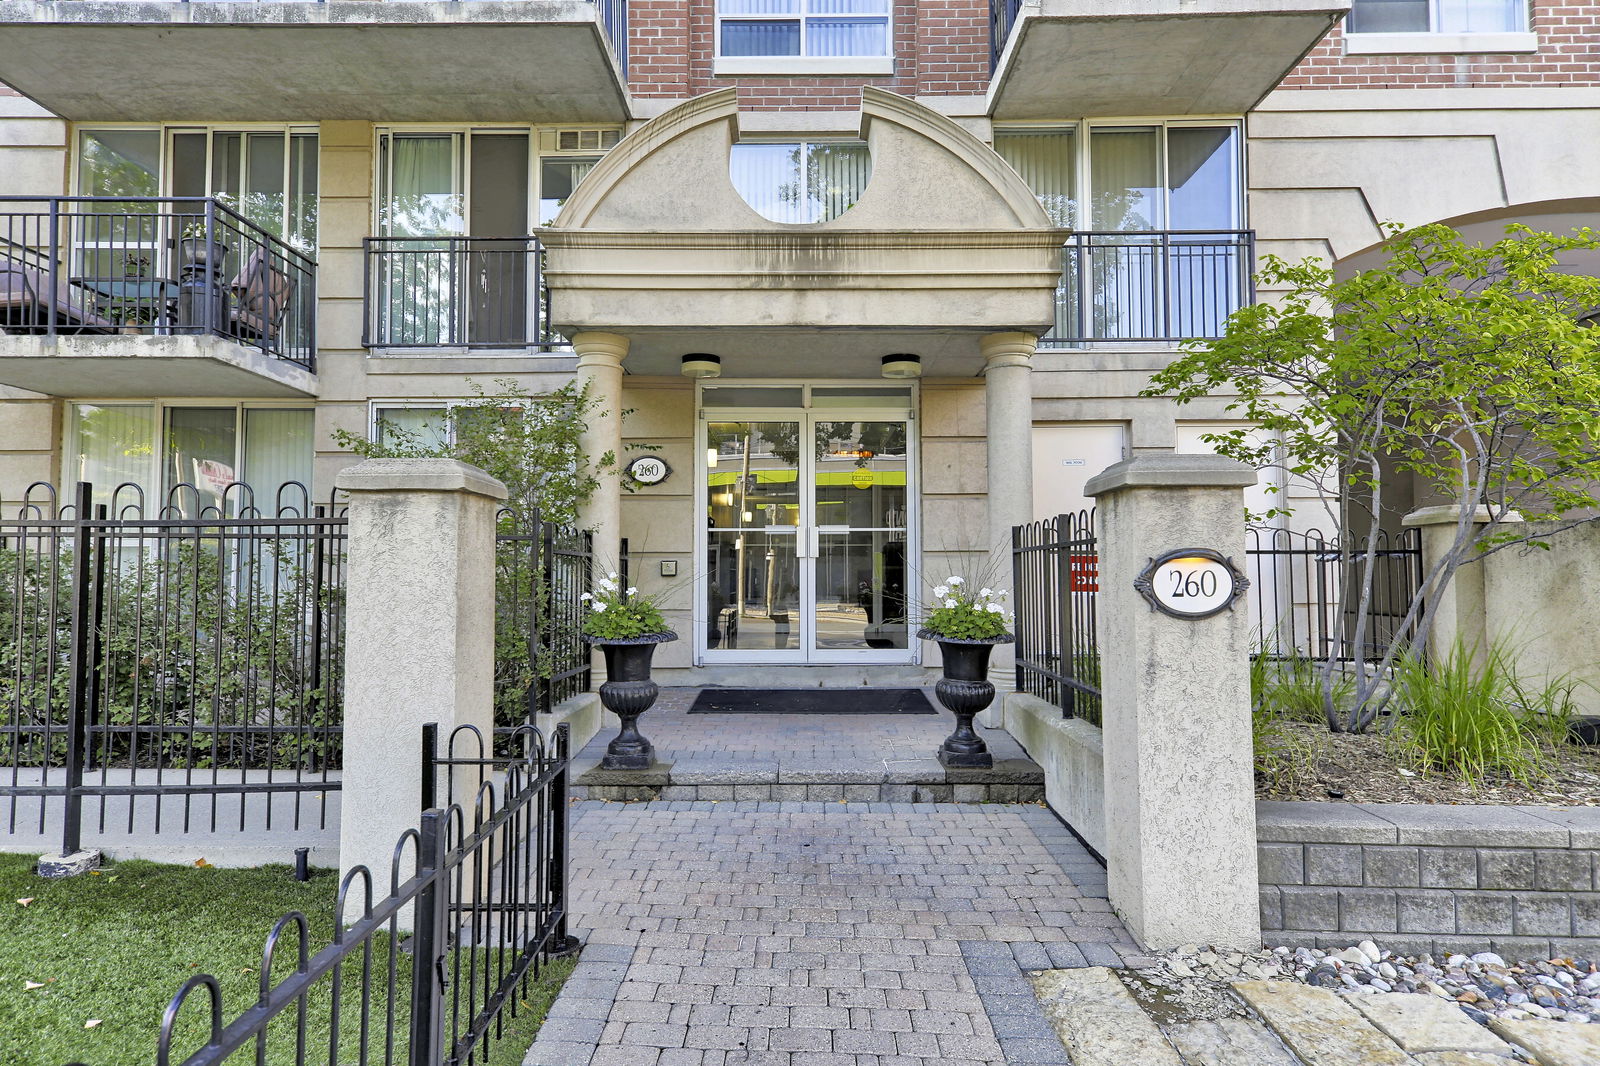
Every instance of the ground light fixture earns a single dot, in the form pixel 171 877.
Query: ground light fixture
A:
pixel 903 365
pixel 701 365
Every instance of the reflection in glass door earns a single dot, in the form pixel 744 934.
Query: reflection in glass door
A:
pixel 807 545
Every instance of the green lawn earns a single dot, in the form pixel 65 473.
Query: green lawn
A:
pixel 116 946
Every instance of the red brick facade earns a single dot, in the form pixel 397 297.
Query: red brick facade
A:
pixel 1569 54
pixel 941 48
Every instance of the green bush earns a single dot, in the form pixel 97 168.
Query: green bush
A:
pixel 1477 719
pixel 1282 758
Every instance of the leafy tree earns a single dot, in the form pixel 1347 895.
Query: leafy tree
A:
pixel 1467 367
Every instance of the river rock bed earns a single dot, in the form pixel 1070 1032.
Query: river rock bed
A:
pixel 1483 985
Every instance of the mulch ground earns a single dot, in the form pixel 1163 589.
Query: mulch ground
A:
pixel 1354 768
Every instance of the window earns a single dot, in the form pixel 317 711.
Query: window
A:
pixel 1438 16
pixel 558 176
pixel 1160 253
pixel 804 36
pixel 207 447
pixel 800 182
pixel 421 427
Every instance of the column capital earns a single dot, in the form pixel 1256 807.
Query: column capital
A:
pixel 418 475
pixel 1007 349
pixel 1170 470
pixel 595 348
pixel 1449 514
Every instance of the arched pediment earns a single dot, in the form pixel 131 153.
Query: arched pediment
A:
pixel 672 174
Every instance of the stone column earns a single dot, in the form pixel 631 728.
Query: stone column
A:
pixel 1463 606
pixel 1008 402
pixel 419 636
pixel 600 358
pixel 1180 790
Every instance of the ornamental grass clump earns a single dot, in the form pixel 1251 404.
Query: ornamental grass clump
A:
pixel 958 613
pixel 617 613
pixel 1477 719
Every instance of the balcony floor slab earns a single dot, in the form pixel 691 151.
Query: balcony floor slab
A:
pixel 113 367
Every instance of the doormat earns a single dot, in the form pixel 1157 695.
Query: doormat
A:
pixel 811 701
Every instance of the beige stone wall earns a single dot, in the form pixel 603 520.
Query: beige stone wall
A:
pixel 659 520
pixel 1539 605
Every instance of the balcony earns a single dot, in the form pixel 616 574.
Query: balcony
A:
pixel 180 296
pixel 1056 59
pixel 467 293
pixel 395 61
pixel 1151 287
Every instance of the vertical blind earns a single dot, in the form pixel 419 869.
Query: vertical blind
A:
pixel 800 182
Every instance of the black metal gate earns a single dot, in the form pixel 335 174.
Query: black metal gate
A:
pixel 1055 567
pixel 476 903
pixel 172 667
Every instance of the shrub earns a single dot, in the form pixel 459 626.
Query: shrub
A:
pixel 1282 758
pixel 616 613
pixel 958 613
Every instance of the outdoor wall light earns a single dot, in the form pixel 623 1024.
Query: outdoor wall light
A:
pixel 701 365
pixel 903 365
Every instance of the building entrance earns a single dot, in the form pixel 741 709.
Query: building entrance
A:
pixel 807 546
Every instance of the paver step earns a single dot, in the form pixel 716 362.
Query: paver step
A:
pixel 1229 1042
pixel 864 781
pixel 1426 1023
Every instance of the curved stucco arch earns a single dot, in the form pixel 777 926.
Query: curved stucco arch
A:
pixel 672 175
pixel 1489 225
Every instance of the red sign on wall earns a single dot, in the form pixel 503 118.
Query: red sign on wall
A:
pixel 1083 573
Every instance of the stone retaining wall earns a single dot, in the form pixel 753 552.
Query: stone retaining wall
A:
pixel 1525 881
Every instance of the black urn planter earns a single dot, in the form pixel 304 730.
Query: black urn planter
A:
pixel 965 690
pixel 628 692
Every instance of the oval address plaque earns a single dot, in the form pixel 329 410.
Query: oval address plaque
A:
pixel 1191 583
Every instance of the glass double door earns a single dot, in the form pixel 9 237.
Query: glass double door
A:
pixel 808 547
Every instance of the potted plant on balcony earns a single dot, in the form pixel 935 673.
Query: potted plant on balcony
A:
pixel 627 627
pixel 967 625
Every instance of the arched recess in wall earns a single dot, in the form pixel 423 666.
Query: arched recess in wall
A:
pixel 1486 227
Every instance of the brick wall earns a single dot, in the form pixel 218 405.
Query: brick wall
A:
pixel 1520 880
pixel 941 48
pixel 1569 54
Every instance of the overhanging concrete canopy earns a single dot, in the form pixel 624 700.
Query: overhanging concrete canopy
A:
pixel 118 366
pixel 657 244
pixel 395 61
pixel 1085 58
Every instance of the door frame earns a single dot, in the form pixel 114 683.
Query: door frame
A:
pixel 806 654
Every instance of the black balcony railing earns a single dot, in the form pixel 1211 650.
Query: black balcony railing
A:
pixel 1151 285
pixel 457 292
pixel 1003 16
pixel 157 266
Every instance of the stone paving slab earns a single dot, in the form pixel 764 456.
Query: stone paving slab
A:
pixel 1319 1026
pixel 1099 1021
pixel 1552 1043
pixel 1228 1042
pixel 1461 1058
pixel 1426 1023
pixel 822 934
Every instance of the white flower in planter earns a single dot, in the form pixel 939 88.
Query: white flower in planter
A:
pixel 986 593
pixel 633 590
pixel 586 596
pixel 941 591
pixel 599 608
pixel 957 581
pixel 995 608
pixel 950 603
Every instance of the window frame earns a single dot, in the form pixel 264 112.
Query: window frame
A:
pixel 799 64
pixel 154 477
pixel 1433 41
pixel 802 140
pixel 1082 132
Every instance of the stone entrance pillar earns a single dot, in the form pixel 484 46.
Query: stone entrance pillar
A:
pixel 419 636
pixel 1008 401
pixel 1179 782
pixel 600 358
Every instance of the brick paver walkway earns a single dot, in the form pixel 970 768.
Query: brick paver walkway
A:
pixel 822 934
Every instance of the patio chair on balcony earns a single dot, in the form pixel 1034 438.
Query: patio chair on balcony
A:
pixel 260 298
pixel 28 306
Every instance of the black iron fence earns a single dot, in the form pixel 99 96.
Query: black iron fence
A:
pixel 181 663
pixel 476 904
pixel 1154 285
pixel 457 292
pixel 86 265
pixel 542 571
pixel 1003 16
pixel 1056 575
pixel 1304 593
pixel 614 17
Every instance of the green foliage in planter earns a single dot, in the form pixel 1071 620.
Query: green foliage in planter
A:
pixel 1282 758
pixel 617 613
pixel 1477 719
pixel 959 613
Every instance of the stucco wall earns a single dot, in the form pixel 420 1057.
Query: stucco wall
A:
pixel 1539 605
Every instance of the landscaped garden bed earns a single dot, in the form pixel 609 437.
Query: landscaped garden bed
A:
pixel 88 964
